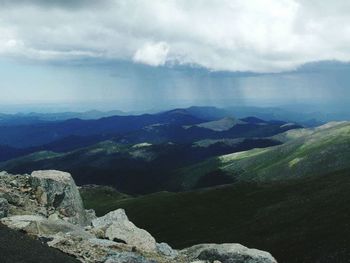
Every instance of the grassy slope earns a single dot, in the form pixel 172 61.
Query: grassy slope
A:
pixel 97 195
pixel 324 150
pixel 299 220
pixel 118 165
pixel 303 219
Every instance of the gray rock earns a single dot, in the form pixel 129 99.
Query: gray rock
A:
pixel 47 205
pixel 87 250
pixel 116 226
pixel 102 242
pixel 13 198
pixel 4 207
pixel 166 250
pixel 90 214
pixel 41 226
pixel 128 257
pixel 106 220
pixel 227 253
pixel 57 189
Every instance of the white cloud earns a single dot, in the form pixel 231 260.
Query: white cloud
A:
pixel 236 35
pixel 153 54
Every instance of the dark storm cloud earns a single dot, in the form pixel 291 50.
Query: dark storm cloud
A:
pixel 220 35
pixel 156 53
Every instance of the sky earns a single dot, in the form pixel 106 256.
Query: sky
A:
pixel 139 54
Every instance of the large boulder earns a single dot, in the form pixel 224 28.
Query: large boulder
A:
pixel 57 190
pixel 4 207
pixel 227 253
pixel 116 226
pixel 44 193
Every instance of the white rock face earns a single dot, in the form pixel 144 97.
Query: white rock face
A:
pixel 58 190
pixel 116 226
pixel 58 176
pixel 227 253
pixel 108 219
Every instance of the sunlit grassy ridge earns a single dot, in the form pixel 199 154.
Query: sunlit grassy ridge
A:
pixel 312 152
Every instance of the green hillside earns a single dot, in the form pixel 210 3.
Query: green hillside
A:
pixel 291 200
pixel 306 152
pixel 121 165
pixel 299 221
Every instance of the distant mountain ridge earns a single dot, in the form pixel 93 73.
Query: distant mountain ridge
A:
pixel 210 113
pixel 120 150
pixel 34 117
pixel 36 134
pixel 304 152
pixel 121 165
pixel 178 125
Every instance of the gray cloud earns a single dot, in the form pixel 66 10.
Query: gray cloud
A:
pixel 66 4
pixel 251 35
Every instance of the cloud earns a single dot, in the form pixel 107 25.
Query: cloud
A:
pixel 233 35
pixel 153 54
pixel 66 4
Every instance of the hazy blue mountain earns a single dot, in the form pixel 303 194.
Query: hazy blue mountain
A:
pixel 303 114
pixel 307 115
pixel 30 135
pixel 178 125
pixel 34 117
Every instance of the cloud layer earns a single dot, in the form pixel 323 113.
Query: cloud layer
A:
pixel 154 54
pixel 250 35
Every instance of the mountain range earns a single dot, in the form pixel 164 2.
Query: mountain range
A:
pixel 120 150
pixel 290 199
pixel 220 174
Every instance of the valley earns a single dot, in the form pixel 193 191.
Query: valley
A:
pixel 176 131
pixel 206 178
pixel 149 155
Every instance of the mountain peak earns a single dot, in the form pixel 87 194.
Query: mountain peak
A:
pixel 223 124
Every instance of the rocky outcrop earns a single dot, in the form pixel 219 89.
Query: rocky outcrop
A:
pixel 116 226
pixel 47 205
pixel 44 193
pixel 4 207
pixel 40 226
pixel 227 253
pixel 57 190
